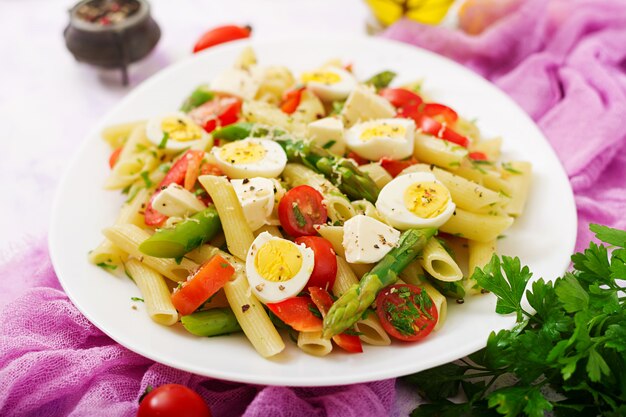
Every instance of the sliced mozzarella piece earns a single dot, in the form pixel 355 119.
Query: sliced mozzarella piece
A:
pixel 364 104
pixel 256 196
pixel 175 201
pixel 328 133
pixel 366 240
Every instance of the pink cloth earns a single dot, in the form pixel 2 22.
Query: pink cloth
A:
pixel 563 61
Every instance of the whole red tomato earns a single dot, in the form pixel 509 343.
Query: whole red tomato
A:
pixel 173 400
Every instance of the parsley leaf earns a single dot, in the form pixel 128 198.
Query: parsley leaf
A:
pixel 300 219
pixel 163 143
pixel 137 299
pixel 511 401
pixel 607 235
pixel 105 265
pixel 509 290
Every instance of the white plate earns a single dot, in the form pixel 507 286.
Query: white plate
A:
pixel 543 238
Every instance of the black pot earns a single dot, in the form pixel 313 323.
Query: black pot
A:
pixel 115 45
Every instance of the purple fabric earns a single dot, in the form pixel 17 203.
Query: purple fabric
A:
pixel 563 61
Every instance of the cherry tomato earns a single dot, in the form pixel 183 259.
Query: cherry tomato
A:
pixel 406 312
pixel 440 113
pixel 221 34
pixel 173 400
pixel 357 158
pixel 297 312
pixel 431 126
pixel 325 269
pixel 394 168
pixel 219 112
pixel 115 155
pixel 322 299
pixel 176 175
pixel 478 156
pixel 300 209
pixel 400 97
pixel 291 100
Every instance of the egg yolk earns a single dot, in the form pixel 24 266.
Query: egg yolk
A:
pixel 324 77
pixel 278 260
pixel 426 199
pixel 242 152
pixel 180 130
pixel 384 130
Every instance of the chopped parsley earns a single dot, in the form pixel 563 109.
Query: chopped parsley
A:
pixel 329 144
pixel 137 299
pixel 145 176
pixel 315 311
pixel 300 219
pixel 105 265
pixel 509 168
pixel 163 143
pixel 165 167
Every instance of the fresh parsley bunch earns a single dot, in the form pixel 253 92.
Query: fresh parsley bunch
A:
pixel 573 347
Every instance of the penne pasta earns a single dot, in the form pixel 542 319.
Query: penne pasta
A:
pixel 252 318
pixel 518 174
pixel 438 262
pixel 117 135
pixel 128 237
pixel 480 253
pixel 479 227
pixel 154 291
pixel 239 237
pixel 438 152
pixel 314 344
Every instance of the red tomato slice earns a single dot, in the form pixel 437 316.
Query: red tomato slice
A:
pixel 325 269
pixel 439 111
pixel 221 34
pixel 115 155
pixel 406 312
pixel 210 169
pixel 221 111
pixel 323 301
pixel 400 97
pixel 300 209
pixel 394 167
pixel 297 313
pixel 291 100
pixel 433 127
pixel 478 156
pixel 359 160
pixel 203 284
pixel 170 400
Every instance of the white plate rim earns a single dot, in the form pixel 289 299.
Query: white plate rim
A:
pixel 466 349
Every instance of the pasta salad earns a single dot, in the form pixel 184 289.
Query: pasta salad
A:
pixel 330 209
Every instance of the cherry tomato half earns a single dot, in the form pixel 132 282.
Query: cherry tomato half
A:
pixel 325 269
pixel 400 97
pixel 300 209
pixel 478 156
pixel 173 400
pixel 219 112
pixel 406 312
pixel 221 34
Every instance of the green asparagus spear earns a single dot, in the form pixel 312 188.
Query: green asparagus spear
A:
pixel 340 171
pixel 212 322
pixel 382 79
pixel 185 236
pixel 349 308
pixel 237 131
pixel 198 97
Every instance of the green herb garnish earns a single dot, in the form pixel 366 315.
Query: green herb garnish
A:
pixel 574 345
pixel 509 168
pixel 300 219
pixel 137 299
pixel 105 265
pixel 382 79
pixel 163 143
pixel 329 144
pixel 145 176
